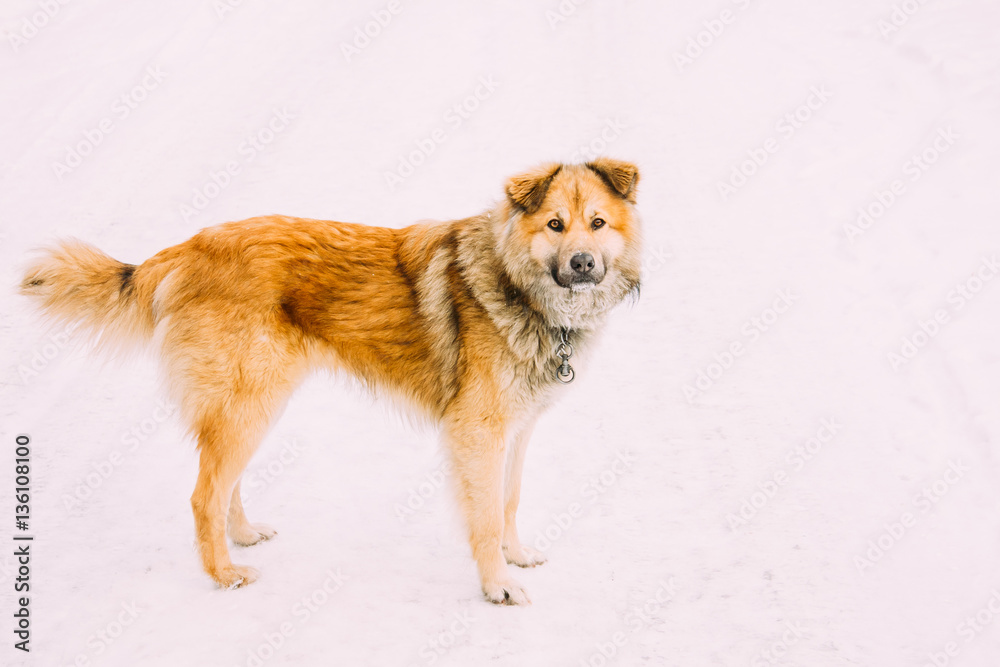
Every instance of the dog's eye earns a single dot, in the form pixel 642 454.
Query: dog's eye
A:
pixel 597 223
pixel 556 224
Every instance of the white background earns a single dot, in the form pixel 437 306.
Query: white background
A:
pixel 802 575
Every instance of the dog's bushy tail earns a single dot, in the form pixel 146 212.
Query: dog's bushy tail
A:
pixel 74 282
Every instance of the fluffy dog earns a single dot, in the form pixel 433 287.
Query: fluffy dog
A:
pixel 471 322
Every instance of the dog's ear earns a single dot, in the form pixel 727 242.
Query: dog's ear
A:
pixel 622 177
pixel 528 190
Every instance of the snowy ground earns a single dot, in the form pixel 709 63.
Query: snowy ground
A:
pixel 811 500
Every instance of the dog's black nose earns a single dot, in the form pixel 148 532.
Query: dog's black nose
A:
pixel 582 262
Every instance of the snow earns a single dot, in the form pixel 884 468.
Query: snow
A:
pixel 631 484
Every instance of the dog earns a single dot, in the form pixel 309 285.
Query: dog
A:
pixel 470 322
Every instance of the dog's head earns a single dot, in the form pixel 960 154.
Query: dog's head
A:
pixel 572 237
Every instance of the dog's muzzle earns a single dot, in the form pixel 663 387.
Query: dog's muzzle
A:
pixel 581 273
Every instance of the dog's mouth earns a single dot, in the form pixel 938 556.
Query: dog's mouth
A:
pixel 576 282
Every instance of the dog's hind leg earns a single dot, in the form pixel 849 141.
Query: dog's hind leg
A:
pixel 241 531
pixel 236 402
pixel 225 451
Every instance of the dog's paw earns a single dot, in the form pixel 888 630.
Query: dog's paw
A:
pixel 236 576
pixel 252 534
pixel 523 556
pixel 507 592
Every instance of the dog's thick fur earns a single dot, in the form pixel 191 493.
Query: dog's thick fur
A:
pixel 460 319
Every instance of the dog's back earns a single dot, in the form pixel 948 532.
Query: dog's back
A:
pixel 377 302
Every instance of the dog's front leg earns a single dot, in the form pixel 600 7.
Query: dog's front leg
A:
pixel 515 552
pixel 478 451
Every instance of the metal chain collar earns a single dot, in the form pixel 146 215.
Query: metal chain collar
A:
pixel 564 351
